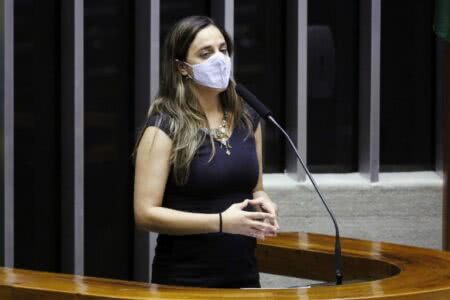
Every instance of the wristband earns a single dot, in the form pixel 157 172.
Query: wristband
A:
pixel 220 216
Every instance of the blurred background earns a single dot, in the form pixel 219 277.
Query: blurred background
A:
pixel 360 86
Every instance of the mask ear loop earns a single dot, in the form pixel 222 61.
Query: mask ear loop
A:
pixel 185 63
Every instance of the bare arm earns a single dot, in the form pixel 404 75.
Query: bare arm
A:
pixel 258 191
pixel 152 171
pixel 258 142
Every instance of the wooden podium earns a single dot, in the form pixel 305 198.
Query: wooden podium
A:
pixel 372 270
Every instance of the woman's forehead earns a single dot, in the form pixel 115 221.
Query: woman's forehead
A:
pixel 208 36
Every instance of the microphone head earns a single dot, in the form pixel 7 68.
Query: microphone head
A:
pixel 253 101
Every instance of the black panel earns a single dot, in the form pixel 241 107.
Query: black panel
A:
pixel 36 135
pixel 407 86
pixel 174 10
pixel 259 65
pixel 333 64
pixel 109 223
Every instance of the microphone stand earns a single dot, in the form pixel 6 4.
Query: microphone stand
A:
pixel 337 247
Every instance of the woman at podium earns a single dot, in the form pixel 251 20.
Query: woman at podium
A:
pixel 198 166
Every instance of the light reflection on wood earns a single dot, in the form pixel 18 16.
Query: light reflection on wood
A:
pixel 372 270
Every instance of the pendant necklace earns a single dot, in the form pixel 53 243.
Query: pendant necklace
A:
pixel 220 134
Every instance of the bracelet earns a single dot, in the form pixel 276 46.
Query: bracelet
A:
pixel 220 216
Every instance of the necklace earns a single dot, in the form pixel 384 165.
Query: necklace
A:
pixel 220 134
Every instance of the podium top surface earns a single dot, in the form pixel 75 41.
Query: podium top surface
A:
pixel 373 270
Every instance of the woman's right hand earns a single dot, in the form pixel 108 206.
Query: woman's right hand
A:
pixel 238 221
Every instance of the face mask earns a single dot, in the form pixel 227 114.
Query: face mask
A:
pixel 214 72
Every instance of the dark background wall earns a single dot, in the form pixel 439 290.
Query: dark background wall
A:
pixel 108 103
pixel 37 135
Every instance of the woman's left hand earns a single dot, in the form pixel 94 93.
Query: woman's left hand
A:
pixel 268 206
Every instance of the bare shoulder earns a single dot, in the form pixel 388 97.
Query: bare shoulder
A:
pixel 258 133
pixel 154 141
pixel 253 115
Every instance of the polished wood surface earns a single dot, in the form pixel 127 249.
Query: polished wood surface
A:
pixel 376 271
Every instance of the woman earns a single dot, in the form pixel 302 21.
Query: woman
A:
pixel 198 176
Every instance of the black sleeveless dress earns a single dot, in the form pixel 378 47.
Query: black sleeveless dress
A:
pixel 213 259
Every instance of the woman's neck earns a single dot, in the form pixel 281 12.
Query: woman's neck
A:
pixel 209 101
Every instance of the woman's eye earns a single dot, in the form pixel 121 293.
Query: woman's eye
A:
pixel 208 53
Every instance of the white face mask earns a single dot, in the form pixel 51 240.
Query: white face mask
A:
pixel 214 72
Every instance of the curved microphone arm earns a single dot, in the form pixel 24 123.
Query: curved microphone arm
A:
pixel 337 247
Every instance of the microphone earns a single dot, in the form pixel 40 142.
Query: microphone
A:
pixel 265 113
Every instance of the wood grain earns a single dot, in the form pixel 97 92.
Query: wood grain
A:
pixel 376 270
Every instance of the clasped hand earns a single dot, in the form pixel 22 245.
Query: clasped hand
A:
pixel 256 224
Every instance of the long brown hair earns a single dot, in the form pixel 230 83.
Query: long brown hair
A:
pixel 177 100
